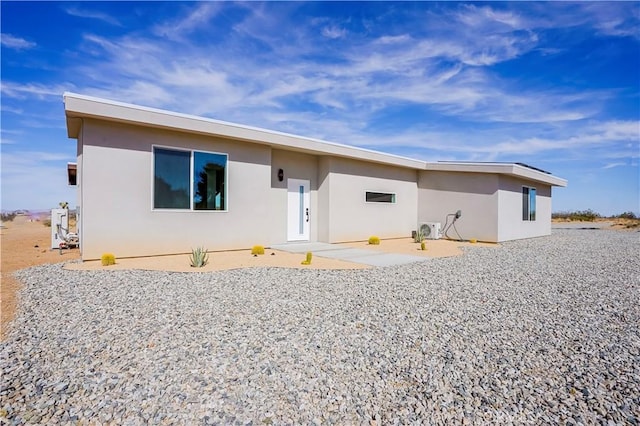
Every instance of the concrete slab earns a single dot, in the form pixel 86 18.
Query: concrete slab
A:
pixel 350 254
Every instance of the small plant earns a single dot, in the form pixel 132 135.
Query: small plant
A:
pixel 47 223
pixel 199 257
pixel 374 241
pixel 257 250
pixel 419 236
pixel 108 259
pixel 423 245
pixel 308 259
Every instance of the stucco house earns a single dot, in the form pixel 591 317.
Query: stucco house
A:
pixel 153 182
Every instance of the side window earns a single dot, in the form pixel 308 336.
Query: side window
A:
pixel 209 172
pixel 379 197
pixel 528 203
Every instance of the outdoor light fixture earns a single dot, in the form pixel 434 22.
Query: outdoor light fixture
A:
pixel 280 175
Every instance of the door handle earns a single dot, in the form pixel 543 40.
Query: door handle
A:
pixel 307 211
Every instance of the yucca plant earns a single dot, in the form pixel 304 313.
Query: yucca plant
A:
pixel 199 257
pixel 419 236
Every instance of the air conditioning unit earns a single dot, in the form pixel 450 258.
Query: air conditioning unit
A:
pixel 431 230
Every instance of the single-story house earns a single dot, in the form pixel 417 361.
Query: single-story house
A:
pixel 154 182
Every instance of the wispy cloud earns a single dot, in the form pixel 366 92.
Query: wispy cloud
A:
pixel 17 43
pixel 193 19
pixel 92 14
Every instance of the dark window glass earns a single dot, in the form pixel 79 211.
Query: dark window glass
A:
pixel 209 172
pixel 171 170
pixel 380 197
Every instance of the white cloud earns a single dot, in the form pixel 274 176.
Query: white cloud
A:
pixel 17 43
pixel 612 165
pixel 196 18
pixel 41 91
pixel 334 32
pixel 92 14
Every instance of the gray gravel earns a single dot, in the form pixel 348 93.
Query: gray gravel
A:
pixel 536 331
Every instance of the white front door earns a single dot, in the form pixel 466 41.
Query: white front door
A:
pixel 298 214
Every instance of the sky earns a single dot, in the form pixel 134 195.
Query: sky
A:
pixel 554 85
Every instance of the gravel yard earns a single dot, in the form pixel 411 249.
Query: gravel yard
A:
pixel 536 331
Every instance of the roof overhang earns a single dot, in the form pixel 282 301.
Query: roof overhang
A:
pixel 511 169
pixel 78 107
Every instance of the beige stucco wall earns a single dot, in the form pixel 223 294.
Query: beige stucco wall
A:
pixel 116 195
pixel 475 194
pixel 295 165
pixel 349 217
pixel 511 225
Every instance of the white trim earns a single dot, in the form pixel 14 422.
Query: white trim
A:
pixel 191 180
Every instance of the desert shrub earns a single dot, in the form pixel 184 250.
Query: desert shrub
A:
pixel 199 257
pixel 423 245
pixel 108 259
pixel 418 236
pixel 8 217
pixel 581 215
pixel 307 261
pixel 255 250
pixel 627 215
pixel 374 241
pixel 47 222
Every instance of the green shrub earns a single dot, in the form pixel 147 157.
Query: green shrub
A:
pixel 108 259
pixel 47 223
pixel 308 259
pixel 627 215
pixel 257 250
pixel 199 257
pixel 374 241
pixel 419 236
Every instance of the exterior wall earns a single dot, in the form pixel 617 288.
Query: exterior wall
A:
pixel 349 217
pixel 511 225
pixel 295 165
pixel 475 194
pixel 116 175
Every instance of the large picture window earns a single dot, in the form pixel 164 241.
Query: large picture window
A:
pixel 528 203
pixel 189 180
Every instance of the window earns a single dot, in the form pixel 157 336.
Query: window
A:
pixel 379 197
pixel 528 203
pixel 189 180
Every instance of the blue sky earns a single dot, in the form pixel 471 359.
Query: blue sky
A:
pixel 554 85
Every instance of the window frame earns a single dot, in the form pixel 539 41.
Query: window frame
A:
pixel 393 197
pixel 531 194
pixel 191 152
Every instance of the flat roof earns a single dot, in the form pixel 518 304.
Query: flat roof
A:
pixel 82 106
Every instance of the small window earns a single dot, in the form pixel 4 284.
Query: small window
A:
pixel 528 203
pixel 189 180
pixel 379 197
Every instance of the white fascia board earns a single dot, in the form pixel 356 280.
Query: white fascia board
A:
pixel 511 169
pixel 80 106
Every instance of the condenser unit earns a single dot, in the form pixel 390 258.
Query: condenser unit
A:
pixel 431 230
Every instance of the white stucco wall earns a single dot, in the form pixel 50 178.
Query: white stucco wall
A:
pixel 116 195
pixel 350 218
pixel 511 225
pixel 475 194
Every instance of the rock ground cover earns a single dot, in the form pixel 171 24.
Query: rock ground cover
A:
pixel 545 330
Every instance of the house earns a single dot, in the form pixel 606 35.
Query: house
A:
pixel 153 182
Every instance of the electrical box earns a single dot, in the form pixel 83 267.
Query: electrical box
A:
pixel 59 226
